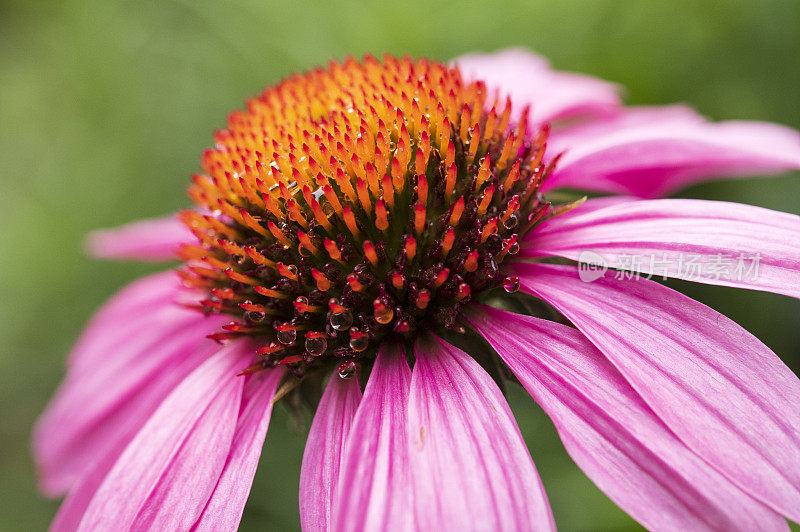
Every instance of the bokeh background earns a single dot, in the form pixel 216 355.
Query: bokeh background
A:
pixel 105 107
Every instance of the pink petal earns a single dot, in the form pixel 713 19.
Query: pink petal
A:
pixel 529 80
pixel 470 465
pixel 323 455
pixel 720 390
pixel 130 342
pixel 224 509
pixel 124 317
pixel 653 152
pixel 168 472
pixel 736 245
pixel 611 433
pixel 671 117
pixel 74 506
pixel 80 495
pixel 374 491
pixel 155 239
pixel 98 412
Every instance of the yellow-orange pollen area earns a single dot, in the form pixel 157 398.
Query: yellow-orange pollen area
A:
pixel 360 201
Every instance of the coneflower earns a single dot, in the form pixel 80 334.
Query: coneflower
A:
pixel 359 235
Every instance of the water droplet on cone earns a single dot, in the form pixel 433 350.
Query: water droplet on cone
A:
pixel 341 321
pixel 511 284
pixel 316 346
pixel 346 369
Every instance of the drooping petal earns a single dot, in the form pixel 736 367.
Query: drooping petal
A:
pixel 74 506
pixel 611 433
pixel 374 490
pixel 226 505
pixel 324 449
pixel 673 116
pixel 711 242
pixel 528 80
pixel 653 152
pixel 166 475
pixel 155 239
pixel 126 315
pixel 718 388
pixel 131 342
pixel 95 413
pixel 470 466
pixel 80 495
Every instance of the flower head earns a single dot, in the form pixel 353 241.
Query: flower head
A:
pixel 366 201
pixel 352 225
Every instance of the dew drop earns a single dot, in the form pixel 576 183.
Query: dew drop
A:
pixel 511 284
pixel 511 222
pixel 316 346
pixel 358 340
pixel 513 249
pixel 254 316
pixel 341 321
pixel 287 337
pixel 384 315
pixel 382 311
pixel 346 369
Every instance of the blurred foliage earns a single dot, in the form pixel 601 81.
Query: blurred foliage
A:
pixel 105 107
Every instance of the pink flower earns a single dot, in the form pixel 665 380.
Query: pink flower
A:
pixel 354 222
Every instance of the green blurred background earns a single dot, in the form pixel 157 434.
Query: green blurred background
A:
pixel 106 106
